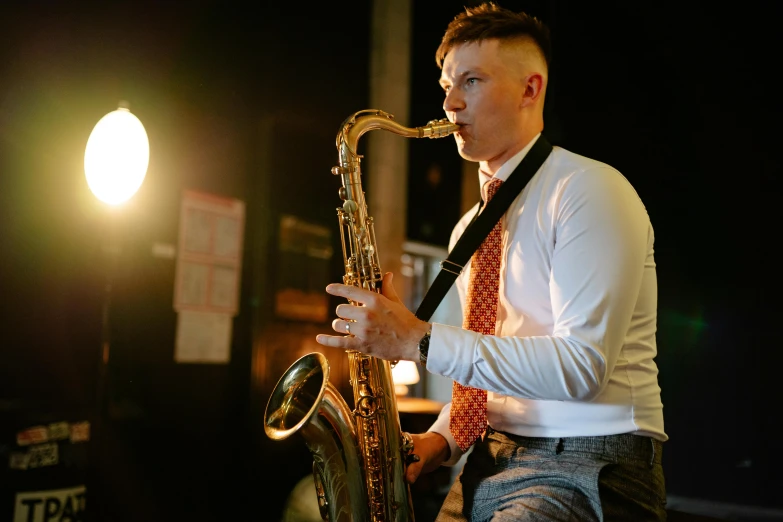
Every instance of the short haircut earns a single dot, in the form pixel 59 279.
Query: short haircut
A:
pixel 489 21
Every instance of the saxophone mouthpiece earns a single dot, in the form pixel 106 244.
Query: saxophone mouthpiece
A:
pixel 439 128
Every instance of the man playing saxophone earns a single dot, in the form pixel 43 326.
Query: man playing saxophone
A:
pixel 556 391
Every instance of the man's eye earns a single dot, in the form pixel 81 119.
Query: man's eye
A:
pixel 471 81
pixel 446 89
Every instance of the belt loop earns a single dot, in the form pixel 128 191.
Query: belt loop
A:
pixel 560 446
pixel 652 457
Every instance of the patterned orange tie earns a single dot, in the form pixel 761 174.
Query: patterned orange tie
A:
pixel 469 405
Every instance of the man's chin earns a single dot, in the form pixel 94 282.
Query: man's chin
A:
pixel 465 152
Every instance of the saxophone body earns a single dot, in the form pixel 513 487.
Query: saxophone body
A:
pixel 359 455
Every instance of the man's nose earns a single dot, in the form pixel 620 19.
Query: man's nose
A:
pixel 454 101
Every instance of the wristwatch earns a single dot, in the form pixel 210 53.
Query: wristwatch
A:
pixel 424 347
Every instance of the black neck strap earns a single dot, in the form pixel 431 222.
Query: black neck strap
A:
pixel 481 225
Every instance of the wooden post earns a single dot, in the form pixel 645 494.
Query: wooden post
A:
pixel 385 165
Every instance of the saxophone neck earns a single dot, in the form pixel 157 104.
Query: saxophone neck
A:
pixel 359 123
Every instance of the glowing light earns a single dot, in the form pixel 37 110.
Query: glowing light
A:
pixel 116 157
pixel 404 372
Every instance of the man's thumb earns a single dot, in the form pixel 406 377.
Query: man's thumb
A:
pixel 388 288
pixel 412 472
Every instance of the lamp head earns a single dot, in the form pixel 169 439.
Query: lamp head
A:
pixel 117 156
pixel 404 373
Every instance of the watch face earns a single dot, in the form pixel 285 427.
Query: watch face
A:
pixel 424 348
pixel 424 344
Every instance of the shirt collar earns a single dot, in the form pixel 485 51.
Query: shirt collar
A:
pixel 508 167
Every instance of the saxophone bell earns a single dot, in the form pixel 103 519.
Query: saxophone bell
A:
pixel 303 401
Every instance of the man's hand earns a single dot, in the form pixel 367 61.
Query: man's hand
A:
pixel 432 449
pixel 380 325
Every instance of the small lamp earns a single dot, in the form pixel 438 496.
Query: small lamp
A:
pixel 403 374
pixel 117 156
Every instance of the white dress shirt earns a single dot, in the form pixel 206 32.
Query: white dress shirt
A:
pixel 575 336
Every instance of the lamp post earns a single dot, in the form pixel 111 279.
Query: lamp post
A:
pixel 115 164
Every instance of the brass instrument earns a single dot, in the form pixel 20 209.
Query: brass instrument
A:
pixel 359 456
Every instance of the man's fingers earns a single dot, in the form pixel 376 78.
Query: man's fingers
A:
pixel 348 311
pixel 346 327
pixel 338 341
pixel 353 293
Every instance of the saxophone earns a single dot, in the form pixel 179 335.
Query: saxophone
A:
pixel 359 455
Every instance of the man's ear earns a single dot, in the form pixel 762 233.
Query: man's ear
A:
pixel 534 88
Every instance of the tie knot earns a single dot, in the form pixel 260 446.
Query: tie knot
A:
pixel 490 188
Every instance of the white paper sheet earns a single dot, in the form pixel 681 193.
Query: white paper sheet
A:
pixel 203 337
pixel 209 264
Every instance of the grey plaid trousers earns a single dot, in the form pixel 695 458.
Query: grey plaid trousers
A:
pixel 608 478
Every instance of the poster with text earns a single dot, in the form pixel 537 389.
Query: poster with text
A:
pixel 207 281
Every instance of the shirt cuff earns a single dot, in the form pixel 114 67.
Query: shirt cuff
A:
pixel 441 427
pixel 451 352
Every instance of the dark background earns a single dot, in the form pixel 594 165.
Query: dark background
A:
pixel 244 101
